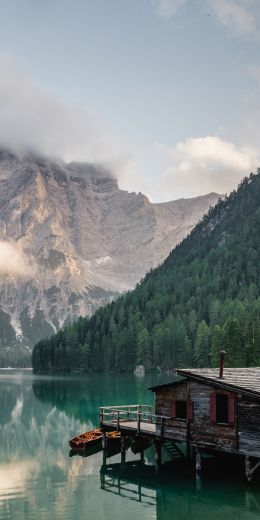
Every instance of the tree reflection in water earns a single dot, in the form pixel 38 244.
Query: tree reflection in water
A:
pixel 176 495
pixel 38 479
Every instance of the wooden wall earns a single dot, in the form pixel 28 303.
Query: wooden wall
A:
pixel 202 430
pixel 175 428
pixel 248 416
pixel 243 436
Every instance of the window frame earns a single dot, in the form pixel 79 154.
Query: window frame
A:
pixel 231 408
pixel 189 410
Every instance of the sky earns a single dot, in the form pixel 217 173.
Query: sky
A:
pixel 164 92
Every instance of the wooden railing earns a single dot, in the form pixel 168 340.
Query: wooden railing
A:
pixel 139 413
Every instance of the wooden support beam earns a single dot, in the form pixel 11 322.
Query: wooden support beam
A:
pixel 102 480
pixel 101 415
pixel 162 426
pixel 198 481
pixel 249 469
pixel 139 492
pixel 198 461
pixel 142 454
pixel 138 422
pixel 123 449
pixel 104 447
pixel 198 469
pixel 158 455
pixel 188 450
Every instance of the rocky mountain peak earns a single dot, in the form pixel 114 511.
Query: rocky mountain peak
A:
pixel 81 239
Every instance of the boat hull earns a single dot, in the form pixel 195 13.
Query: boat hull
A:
pixel 93 438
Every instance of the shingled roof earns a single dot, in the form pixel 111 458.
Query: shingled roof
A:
pixel 245 381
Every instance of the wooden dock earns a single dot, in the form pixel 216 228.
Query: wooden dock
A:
pixel 138 422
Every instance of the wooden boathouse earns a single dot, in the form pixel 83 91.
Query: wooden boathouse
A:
pixel 207 411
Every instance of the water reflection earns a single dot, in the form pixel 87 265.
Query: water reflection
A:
pixel 81 396
pixel 175 493
pixel 39 480
pixel 33 453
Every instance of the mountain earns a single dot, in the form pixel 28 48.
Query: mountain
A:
pixel 70 241
pixel 205 297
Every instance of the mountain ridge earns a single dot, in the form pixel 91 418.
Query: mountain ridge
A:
pixel 82 241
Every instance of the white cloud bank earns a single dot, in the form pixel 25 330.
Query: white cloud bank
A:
pixel 205 164
pixel 34 119
pixel 14 261
pixel 237 16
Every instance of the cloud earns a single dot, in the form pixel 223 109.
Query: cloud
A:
pixel 237 16
pixel 34 119
pixel 14 261
pixel 205 164
pixel 168 8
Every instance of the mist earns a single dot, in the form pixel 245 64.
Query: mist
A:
pixel 14 261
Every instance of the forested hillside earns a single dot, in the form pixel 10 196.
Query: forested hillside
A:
pixel 203 298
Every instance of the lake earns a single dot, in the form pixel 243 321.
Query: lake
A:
pixel 40 480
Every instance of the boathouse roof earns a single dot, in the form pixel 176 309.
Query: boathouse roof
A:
pixel 244 381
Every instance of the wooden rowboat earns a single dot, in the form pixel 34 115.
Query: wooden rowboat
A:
pixel 91 438
pixel 87 438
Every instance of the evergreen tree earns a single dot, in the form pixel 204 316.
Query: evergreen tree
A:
pixel 202 345
pixel 204 298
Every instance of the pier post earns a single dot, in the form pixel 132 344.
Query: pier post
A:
pixel 158 455
pixel 142 454
pixel 104 447
pixel 188 450
pixel 102 480
pixel 198 469
pixel 139 492
pixel 248 469
pixel 198 461
pixel 123 449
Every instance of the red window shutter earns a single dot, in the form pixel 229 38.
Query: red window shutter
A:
pixel 213 408
pixel 174 408
pixel 190 410
pixel 231 408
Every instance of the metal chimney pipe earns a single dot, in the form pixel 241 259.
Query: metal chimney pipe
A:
pixel 221 365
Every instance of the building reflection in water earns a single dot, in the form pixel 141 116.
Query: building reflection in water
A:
pixel 180 497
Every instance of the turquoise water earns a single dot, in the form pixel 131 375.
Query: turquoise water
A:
pixel 39 480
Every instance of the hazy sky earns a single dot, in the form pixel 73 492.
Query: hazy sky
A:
pixel 166 91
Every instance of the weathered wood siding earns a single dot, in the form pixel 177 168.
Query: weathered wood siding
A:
pixel 248 413
pixel 202 430
pixel 243 436
pixel 175 428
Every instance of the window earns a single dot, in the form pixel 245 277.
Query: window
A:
pixel 223 408
pixel 181 410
